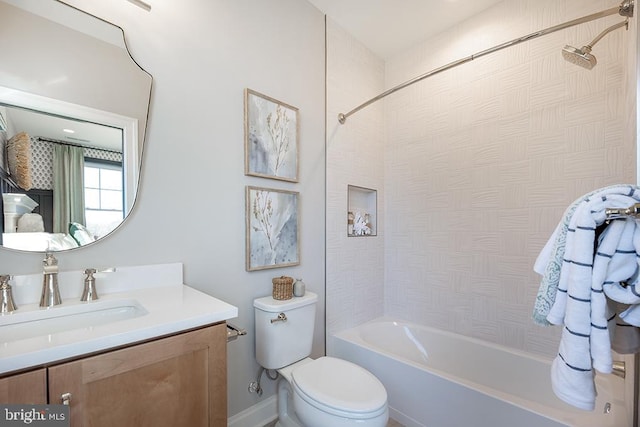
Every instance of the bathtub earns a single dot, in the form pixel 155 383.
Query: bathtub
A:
pixel 439 379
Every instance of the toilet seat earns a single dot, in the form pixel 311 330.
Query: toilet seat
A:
pixel 340 388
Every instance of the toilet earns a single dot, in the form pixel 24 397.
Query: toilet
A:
pixel 313 393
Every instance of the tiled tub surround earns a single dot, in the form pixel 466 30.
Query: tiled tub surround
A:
pixel 169 307
pixel 436 378
pixel 479 164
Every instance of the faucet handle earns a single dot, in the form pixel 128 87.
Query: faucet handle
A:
pixel 90 293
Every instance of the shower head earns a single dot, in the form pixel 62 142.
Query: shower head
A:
pixel 581 57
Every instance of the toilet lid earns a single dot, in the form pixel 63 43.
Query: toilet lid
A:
pixel 340 385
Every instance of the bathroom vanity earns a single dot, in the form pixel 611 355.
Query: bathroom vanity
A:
pixel 178 380
pixel 148 352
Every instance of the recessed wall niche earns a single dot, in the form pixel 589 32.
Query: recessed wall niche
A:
pixel 362 211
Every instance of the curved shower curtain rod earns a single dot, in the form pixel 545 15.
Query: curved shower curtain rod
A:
pixel 624 9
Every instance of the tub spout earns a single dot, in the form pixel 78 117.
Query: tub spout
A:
pixel 619 369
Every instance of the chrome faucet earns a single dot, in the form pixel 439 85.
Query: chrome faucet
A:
pixel 6 298
pixel 90 293
pixel 50 292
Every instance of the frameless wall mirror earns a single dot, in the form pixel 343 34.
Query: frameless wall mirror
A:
pixel 73 115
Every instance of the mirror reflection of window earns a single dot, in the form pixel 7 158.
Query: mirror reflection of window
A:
pixel 103 194
pixel 102 85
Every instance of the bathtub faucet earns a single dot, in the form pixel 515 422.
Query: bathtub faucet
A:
pixel 619 368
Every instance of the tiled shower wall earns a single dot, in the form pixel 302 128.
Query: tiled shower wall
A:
pixel 481 161
pixel 355 265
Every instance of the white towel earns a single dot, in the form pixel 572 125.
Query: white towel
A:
pixel 580 303
pixel 549 261
pixel 631 315
pixel 629 292
pixel 625 299
pixel 615 261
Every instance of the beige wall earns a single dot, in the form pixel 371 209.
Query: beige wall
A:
pixel 191 204
pixel 481 161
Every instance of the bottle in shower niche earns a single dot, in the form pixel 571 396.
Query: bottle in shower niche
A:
pixel 299 288
pixel 350 218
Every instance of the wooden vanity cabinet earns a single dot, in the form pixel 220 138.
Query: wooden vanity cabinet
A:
pixel 27 388
pixel 180 380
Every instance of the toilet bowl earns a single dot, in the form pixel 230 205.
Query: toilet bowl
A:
pixel 326 392
pixel 333 392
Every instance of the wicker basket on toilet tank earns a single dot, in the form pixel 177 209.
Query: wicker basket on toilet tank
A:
pixel 282 287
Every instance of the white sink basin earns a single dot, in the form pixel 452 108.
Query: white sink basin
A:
pixel 32 323
pixel 137 304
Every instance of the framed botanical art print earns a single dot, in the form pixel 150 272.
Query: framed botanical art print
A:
pixel 270 137
pixel 272 238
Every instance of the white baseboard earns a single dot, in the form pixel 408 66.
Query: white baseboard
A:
pixel 257 415
pixel 403 419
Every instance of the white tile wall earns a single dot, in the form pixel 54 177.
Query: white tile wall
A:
pixel 477 165
pixel 355 265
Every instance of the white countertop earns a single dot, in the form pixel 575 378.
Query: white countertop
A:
pixel 170 308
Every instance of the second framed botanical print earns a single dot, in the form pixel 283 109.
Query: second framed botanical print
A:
pixel 272 238
pixel 271 137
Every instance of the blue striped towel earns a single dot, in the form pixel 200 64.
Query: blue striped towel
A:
pixel 580 303
pixel 549 262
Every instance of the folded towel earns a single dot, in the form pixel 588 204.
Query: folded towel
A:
pixel 580 303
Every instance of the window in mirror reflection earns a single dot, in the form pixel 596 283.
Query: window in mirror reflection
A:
pixel 103 195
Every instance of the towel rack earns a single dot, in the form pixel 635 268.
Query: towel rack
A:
pixel 233 332
pixel 616 213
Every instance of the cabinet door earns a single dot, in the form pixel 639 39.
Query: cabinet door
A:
pixel 176 381
pixel 27 388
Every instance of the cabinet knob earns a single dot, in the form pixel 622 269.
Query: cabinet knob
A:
pixel 65 398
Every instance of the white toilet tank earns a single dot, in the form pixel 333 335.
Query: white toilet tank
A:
pixel 281 342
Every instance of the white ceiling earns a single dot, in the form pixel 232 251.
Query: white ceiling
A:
pixel 388 27
pixel 44 125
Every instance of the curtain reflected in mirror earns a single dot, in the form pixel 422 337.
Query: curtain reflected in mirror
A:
pixel 76 193
pixel 56 200
pixel 68 187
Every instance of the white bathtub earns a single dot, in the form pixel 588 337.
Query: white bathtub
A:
pixel 439 379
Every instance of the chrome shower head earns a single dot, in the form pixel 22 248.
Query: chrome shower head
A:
pixel 581 57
